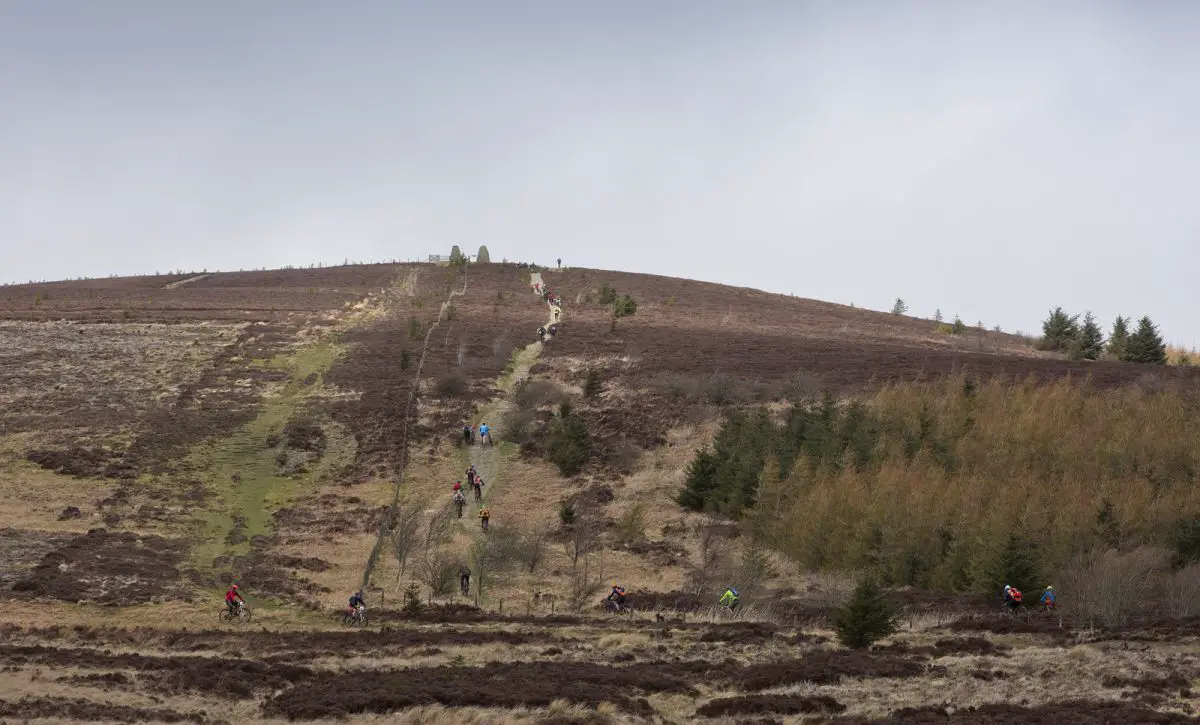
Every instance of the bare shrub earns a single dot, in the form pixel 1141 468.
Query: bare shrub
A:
pixel 1182 591
pixel 404 536
pixel 713 557
pixel 1107 586
pixel 536 393
pixel 492 555
pixel 753 571
pixel 520 426
pixel 631 527
pixel 438 570
pixel 452 385
pixel 583 537
pixel 531 548
pixel 622 456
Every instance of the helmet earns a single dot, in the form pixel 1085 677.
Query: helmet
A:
pixel 234 586
pixel 1049 589
pixel 735 592
pixel 1007 587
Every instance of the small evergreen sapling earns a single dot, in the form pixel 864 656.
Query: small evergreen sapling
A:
pixel 866 617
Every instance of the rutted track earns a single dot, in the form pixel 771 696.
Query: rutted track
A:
pixel 408 416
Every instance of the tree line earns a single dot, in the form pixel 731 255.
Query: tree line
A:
pixel 963 484
pixel 1084 340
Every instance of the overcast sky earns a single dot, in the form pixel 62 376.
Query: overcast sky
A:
pixel 993 159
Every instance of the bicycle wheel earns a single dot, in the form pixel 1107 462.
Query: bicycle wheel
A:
pixel 223 616
pixel 245 614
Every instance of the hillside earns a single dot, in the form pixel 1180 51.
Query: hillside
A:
pixel 295 430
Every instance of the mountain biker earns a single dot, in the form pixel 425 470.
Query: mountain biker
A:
pixel 456 487
pixel 484 514
pixel 1012 597
pixel 357 602
pixel 1048 600
pixel 485 433
pixel 233 599
pixel 464 580
pixel 468 433
pixel 459 502
pixel 541 332
pixel 471 473
pixel 617 596
pixel 730 598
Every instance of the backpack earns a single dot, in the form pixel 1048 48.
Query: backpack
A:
pixel 1016 594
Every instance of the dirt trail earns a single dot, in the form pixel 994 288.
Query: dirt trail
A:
pixel 489 461
pixel 182 282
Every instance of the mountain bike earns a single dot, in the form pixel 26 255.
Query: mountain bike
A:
pixel 242 614
pixel 356 618
pixel 615 608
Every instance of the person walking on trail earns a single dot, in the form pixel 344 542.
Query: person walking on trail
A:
pixel 477 486
pixel 459 502
pixel 233 599
pixel 1049 600
pixel 456 487
pixel 730 598
pixel 471 474
pixel 541 332
pixel 468 434
pixel 484 514
pixel 464 580
pixel 485 434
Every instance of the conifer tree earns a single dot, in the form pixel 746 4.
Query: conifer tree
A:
pixel 1118 339
pixel 483 257
pixel 899 308
pixel 1146 345
pixel 1059 331
pixel 866 617
pixel 1090 342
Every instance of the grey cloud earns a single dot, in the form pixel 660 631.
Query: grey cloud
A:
pixel 990 159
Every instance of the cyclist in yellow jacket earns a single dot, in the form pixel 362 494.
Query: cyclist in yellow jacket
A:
pixel 730 598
